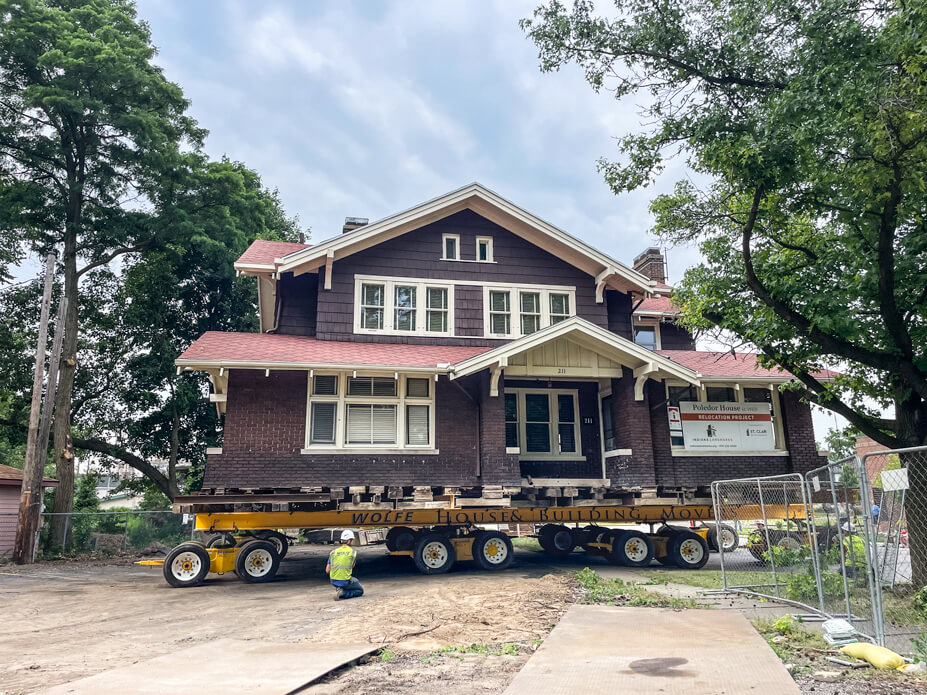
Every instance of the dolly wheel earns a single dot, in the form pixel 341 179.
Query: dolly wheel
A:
pixel 688 550
pixel 730 539
pixel 257 561
pixel 221 540
pixel 556 539
pixel 400 538
pixel 631 549
pixel 186 565
pixel 433 554
pixel 492 550
pixel 280 542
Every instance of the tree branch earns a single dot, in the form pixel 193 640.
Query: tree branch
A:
pixel 117 252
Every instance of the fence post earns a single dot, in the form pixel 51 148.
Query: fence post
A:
pixel 125 535
pixel 716 502
pixel 808 500
pixel 67 527
pixel 872 553
pixel 842 548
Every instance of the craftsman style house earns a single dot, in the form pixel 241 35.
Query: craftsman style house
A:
pixel 465 344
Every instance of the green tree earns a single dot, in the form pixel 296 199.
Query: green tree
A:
pixel 89 131
pixel 806 119
pixel 840 444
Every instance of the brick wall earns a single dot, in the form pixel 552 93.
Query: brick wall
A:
pixel 799 434
pixel 265 430
pixel 632 431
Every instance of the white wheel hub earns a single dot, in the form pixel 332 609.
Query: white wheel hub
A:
pixel 495 551
pixel 434 555
pixel 691 551
pixel 258 562
pixel 186 566
pixel 729 539
pixel 789 542
pixel 635 549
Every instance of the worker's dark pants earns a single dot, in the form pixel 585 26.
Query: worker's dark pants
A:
pixel 352 589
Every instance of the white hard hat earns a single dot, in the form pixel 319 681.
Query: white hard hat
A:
pixel 347 535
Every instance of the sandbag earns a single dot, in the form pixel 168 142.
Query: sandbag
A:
pixel 880 657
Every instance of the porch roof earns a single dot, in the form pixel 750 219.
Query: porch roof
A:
pixel 644 363
pixel 735 366
pixel 261 254
pixel 215 349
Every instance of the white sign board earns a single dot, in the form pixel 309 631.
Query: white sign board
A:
pixel 675 420
pixel 895 480
pixel 727 426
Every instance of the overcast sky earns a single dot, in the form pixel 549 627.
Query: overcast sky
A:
pixel 367 108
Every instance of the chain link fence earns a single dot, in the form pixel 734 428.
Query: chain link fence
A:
pixel 103 533
pixel 896 499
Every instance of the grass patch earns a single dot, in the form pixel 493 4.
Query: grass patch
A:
pixel 708 579
pixel 791 642
pixel 527 543
pixel 386 656
pixel 615 592
pixel 455 650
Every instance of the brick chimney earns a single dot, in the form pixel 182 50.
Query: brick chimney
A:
pixel 651 264
pixel 352 223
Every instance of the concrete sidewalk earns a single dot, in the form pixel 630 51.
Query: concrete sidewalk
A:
pixel 607 650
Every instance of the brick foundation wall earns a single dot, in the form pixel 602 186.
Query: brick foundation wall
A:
pixel 632 431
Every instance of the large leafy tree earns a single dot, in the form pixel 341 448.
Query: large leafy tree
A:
pixel 89 130
pixel 807 119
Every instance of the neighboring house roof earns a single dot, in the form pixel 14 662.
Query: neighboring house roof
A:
pixel 14 476
pixel 261 254
pixel 486 203
pixel 742 365
pixel 658 306
pixel 215 349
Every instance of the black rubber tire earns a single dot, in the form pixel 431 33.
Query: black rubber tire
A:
pixel 400 538
pixel 220 540
pixel 712 537
pixel 556 539
pixel 601 536
pixel 487 560
pixel 443 549
pixel 280 542
pixel 682 552
pixel 625 541
pixel 589 534
pixel 730 539
pixel 180 576
pixel 257 561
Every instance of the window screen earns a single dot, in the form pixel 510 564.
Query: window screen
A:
pixel 537 422
pixel 499 317
pixel 379 386
pixel 720 394
pixel 450 248
pixel 566 426
pixel 559 307
pixel 404 311
pixel 511 420
pixel 371 424
pixel 530 312
pixel 372 300
pixel 322 429
pixel 417 388
pixel 417 425
pixel 436 298
pixel 325 385
pixel 646 336
pixel 608 423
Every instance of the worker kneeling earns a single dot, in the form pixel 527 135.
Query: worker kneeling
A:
pixel 340 566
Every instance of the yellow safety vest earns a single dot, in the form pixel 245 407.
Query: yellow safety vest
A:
pixel 342 562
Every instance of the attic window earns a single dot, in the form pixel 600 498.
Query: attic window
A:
pixel 484 249
pixel 451 248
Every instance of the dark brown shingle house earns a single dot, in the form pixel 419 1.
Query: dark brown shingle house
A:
pixel 466 346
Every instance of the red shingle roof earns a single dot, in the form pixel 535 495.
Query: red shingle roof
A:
pixel 264 252
pixel 657 305
pixel 724 364
pixel 14 476
pixel 266 348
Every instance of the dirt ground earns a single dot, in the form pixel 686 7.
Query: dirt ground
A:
pixel 464 632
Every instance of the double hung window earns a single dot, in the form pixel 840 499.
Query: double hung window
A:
pixel 646 336
pixel 451 247
pixel 350 412
pixel 511 312
pixel 388 306
pixel 544 424
pixel 608 423
pixel 484 249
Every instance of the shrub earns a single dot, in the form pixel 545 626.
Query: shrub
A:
pixel 920 601
pixel 785 557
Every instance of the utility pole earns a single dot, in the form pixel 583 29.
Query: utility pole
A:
pixel 31 496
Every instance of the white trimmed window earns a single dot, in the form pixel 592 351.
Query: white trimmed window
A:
pixel 350 413
pixel 386 306
pixel 543 423
pixel 450 247
pixel 511 312
pixel 725 392
pixel 484 249
pixel 647 334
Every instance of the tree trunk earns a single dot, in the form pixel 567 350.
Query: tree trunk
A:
pixel 912 428
pixel 63 449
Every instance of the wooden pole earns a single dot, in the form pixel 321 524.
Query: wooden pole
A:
pixel 30 498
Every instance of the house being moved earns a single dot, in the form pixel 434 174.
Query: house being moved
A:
pixel 466 348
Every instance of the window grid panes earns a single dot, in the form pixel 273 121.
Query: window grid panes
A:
pixel 372 301
pixel 559 307
pixel 543 424
pixel 566 419
pixel 511 420
pixel 530 312
pixel 417 388
pixel 646 336
pixel 537 423
pixel 325 385
pixel 436 309
pixel 370 423
pixel 379 386
pixel 417 425
pixel 500 313
pixel 404 302
pixel 323 423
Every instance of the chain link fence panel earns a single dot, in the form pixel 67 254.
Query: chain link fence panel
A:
pixel 895 492
pixel 774 557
